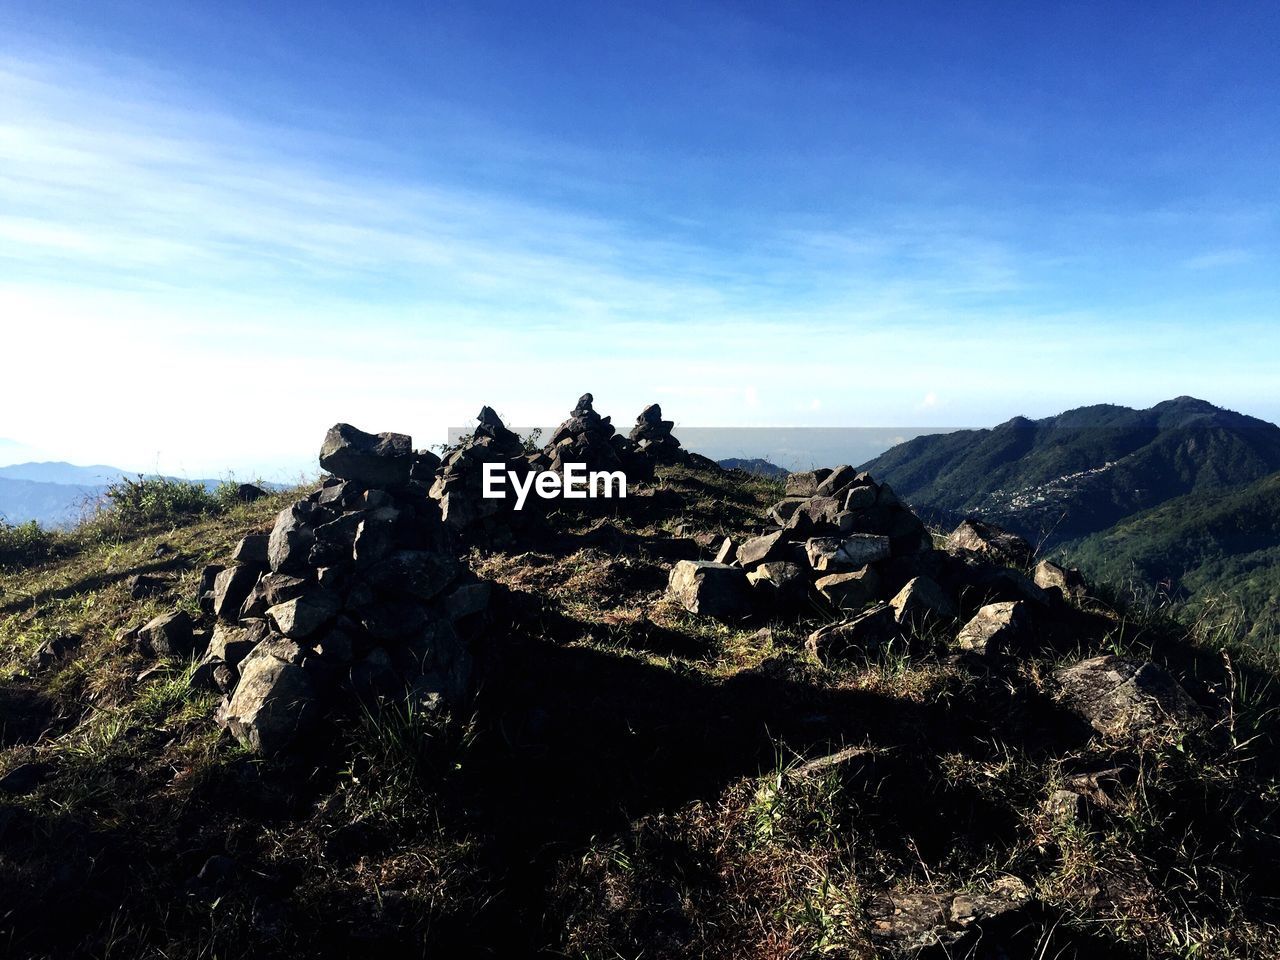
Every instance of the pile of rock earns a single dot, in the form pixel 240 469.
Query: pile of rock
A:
pixel 584 438
pixel 848 544
pixel 459 481
pixel 838 529
pixel 355 593
pixel 652 436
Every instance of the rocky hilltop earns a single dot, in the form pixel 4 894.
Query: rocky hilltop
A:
pixel 726 715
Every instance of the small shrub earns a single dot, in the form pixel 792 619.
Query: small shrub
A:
pixel 148 499
pixel 27 543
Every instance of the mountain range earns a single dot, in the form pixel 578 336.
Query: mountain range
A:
pixel 1179 498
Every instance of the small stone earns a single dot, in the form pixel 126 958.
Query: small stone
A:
pixel 144 585
pixel 727 551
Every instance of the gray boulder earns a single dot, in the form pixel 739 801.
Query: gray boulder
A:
pixel 289 546
pixel 275 700
pixel 861 497
pixel 784 509
pixel 232 586
pixel 990 541
pixel 305 615
pixel 865 633
pixel 911 923
pixel 996 628
pixel 850 591
pixel 252 550
pixel 1068 583
pixel 778 585
pixel 710 589
pixel 832 554
pixel 169 635
pixel 757 550
pixel 375 460
pixel 231 643
pixel 921 602
pixel 805 484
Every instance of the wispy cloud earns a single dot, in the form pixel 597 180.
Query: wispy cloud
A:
pixel 186 271
pixel 1212 259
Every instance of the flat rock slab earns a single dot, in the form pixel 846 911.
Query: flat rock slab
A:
pixel 1120 697
pixel 906 922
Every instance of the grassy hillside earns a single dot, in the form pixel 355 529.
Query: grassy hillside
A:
pixel 630 782
pixel 1220 552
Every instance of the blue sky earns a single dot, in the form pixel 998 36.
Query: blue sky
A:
pixel 225 226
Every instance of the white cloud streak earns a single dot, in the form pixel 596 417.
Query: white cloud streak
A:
pixel 182 289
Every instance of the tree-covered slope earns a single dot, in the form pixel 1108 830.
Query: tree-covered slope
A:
pixel 1081 472
pixel 1208 548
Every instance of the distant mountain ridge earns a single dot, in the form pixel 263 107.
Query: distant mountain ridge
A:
pixel 1182 499
pixel 1066 477
pixel 59 471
